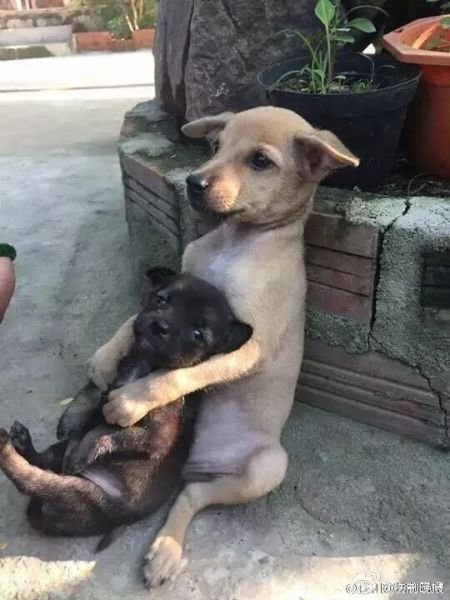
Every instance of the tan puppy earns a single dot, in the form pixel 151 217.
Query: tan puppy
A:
pixel 263 177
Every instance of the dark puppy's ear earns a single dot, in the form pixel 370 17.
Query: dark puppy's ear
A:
pixel 158 276
pixel 238 334
pixel 319 153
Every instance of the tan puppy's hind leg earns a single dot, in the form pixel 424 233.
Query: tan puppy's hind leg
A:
pixel 264 472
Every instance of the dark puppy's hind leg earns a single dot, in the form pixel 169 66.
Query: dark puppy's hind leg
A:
pixel 82 414
pixel 76 506
pixel 51 459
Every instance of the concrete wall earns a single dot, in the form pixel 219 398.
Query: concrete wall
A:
pixel 80 19
pixel 378 327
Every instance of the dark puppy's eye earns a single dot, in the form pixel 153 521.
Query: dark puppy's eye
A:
pixel 162 299
pixel 260 161
pixel 198 336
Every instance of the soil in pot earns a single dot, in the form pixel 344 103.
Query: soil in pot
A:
pixel 368 121
pixel 406 180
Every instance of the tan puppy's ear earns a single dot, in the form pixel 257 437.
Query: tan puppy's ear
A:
pixel 206 125
pixel 319 153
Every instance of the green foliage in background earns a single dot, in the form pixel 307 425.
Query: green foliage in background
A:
pixel 122 17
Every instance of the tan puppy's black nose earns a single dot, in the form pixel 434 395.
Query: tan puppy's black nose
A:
pixel 160 327
pixel 196 184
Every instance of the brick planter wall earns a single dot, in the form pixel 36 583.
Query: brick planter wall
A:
pixel 378 326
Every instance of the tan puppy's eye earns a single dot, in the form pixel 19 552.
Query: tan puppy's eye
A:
pixel 260 161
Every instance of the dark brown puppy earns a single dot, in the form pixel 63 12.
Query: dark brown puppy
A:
pixel 100 476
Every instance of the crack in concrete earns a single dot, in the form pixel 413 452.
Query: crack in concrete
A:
pixel 382 237
pixel 440 401
pixel 420 372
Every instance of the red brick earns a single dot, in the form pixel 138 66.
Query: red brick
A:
pixel 339 302
pixel 347 263
pixel 340 280
pixel 334 233
pixel 142 172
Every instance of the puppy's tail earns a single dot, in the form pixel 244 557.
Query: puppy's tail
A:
pixel 109 538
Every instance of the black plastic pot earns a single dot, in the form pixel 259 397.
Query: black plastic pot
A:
pixel 369 123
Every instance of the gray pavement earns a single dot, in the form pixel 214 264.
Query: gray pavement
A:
pixel 358 503
pixel 93 70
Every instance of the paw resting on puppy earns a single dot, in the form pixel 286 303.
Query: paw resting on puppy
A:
pixel 102 367
pixel 127 405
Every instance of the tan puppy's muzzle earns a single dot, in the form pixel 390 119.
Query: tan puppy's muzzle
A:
pixel 197 185
pixel 211 193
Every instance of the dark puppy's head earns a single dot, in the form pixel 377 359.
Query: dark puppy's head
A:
pixel 186 320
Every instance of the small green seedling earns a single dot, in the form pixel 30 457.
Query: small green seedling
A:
pixel 319 75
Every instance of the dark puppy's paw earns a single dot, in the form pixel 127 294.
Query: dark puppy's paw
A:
pixel 20 438
pixel 4 438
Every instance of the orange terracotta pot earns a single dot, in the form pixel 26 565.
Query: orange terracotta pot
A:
pixel 124 45
pixel 143 39
pixel 92 41
pixel 428 124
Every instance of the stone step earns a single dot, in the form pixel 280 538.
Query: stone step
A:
pixel 35 51
pixel 36 36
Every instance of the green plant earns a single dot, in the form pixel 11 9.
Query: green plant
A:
pixel 439 42
pixel 319 76
pixel 445 19
pixel 122 17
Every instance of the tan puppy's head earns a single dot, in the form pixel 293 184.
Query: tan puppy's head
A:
pixel 268 164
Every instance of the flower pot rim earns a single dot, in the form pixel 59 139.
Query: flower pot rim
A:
pixel 394 86
pixel 395 44
pixel 77 33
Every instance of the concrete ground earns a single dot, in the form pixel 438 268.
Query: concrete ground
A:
pixel 358 504
pixel 93 70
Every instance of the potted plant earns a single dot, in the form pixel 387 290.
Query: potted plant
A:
pixel 133 20
pixel 142 23
pixel 91 41
pixel 362 99
pixel 426 42
pixel 128 25
pixel 121 40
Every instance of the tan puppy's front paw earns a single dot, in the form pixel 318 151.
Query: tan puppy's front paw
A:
pixel 102 367
pixel 126 405
pixel 163 562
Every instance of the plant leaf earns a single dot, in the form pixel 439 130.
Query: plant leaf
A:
pixel 345 38
pixel 362 25
pixel 325 11
pixel 445 22
pixel 433 44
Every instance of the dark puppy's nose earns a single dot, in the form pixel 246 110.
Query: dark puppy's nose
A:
pixel 160 327
pixel 196 184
